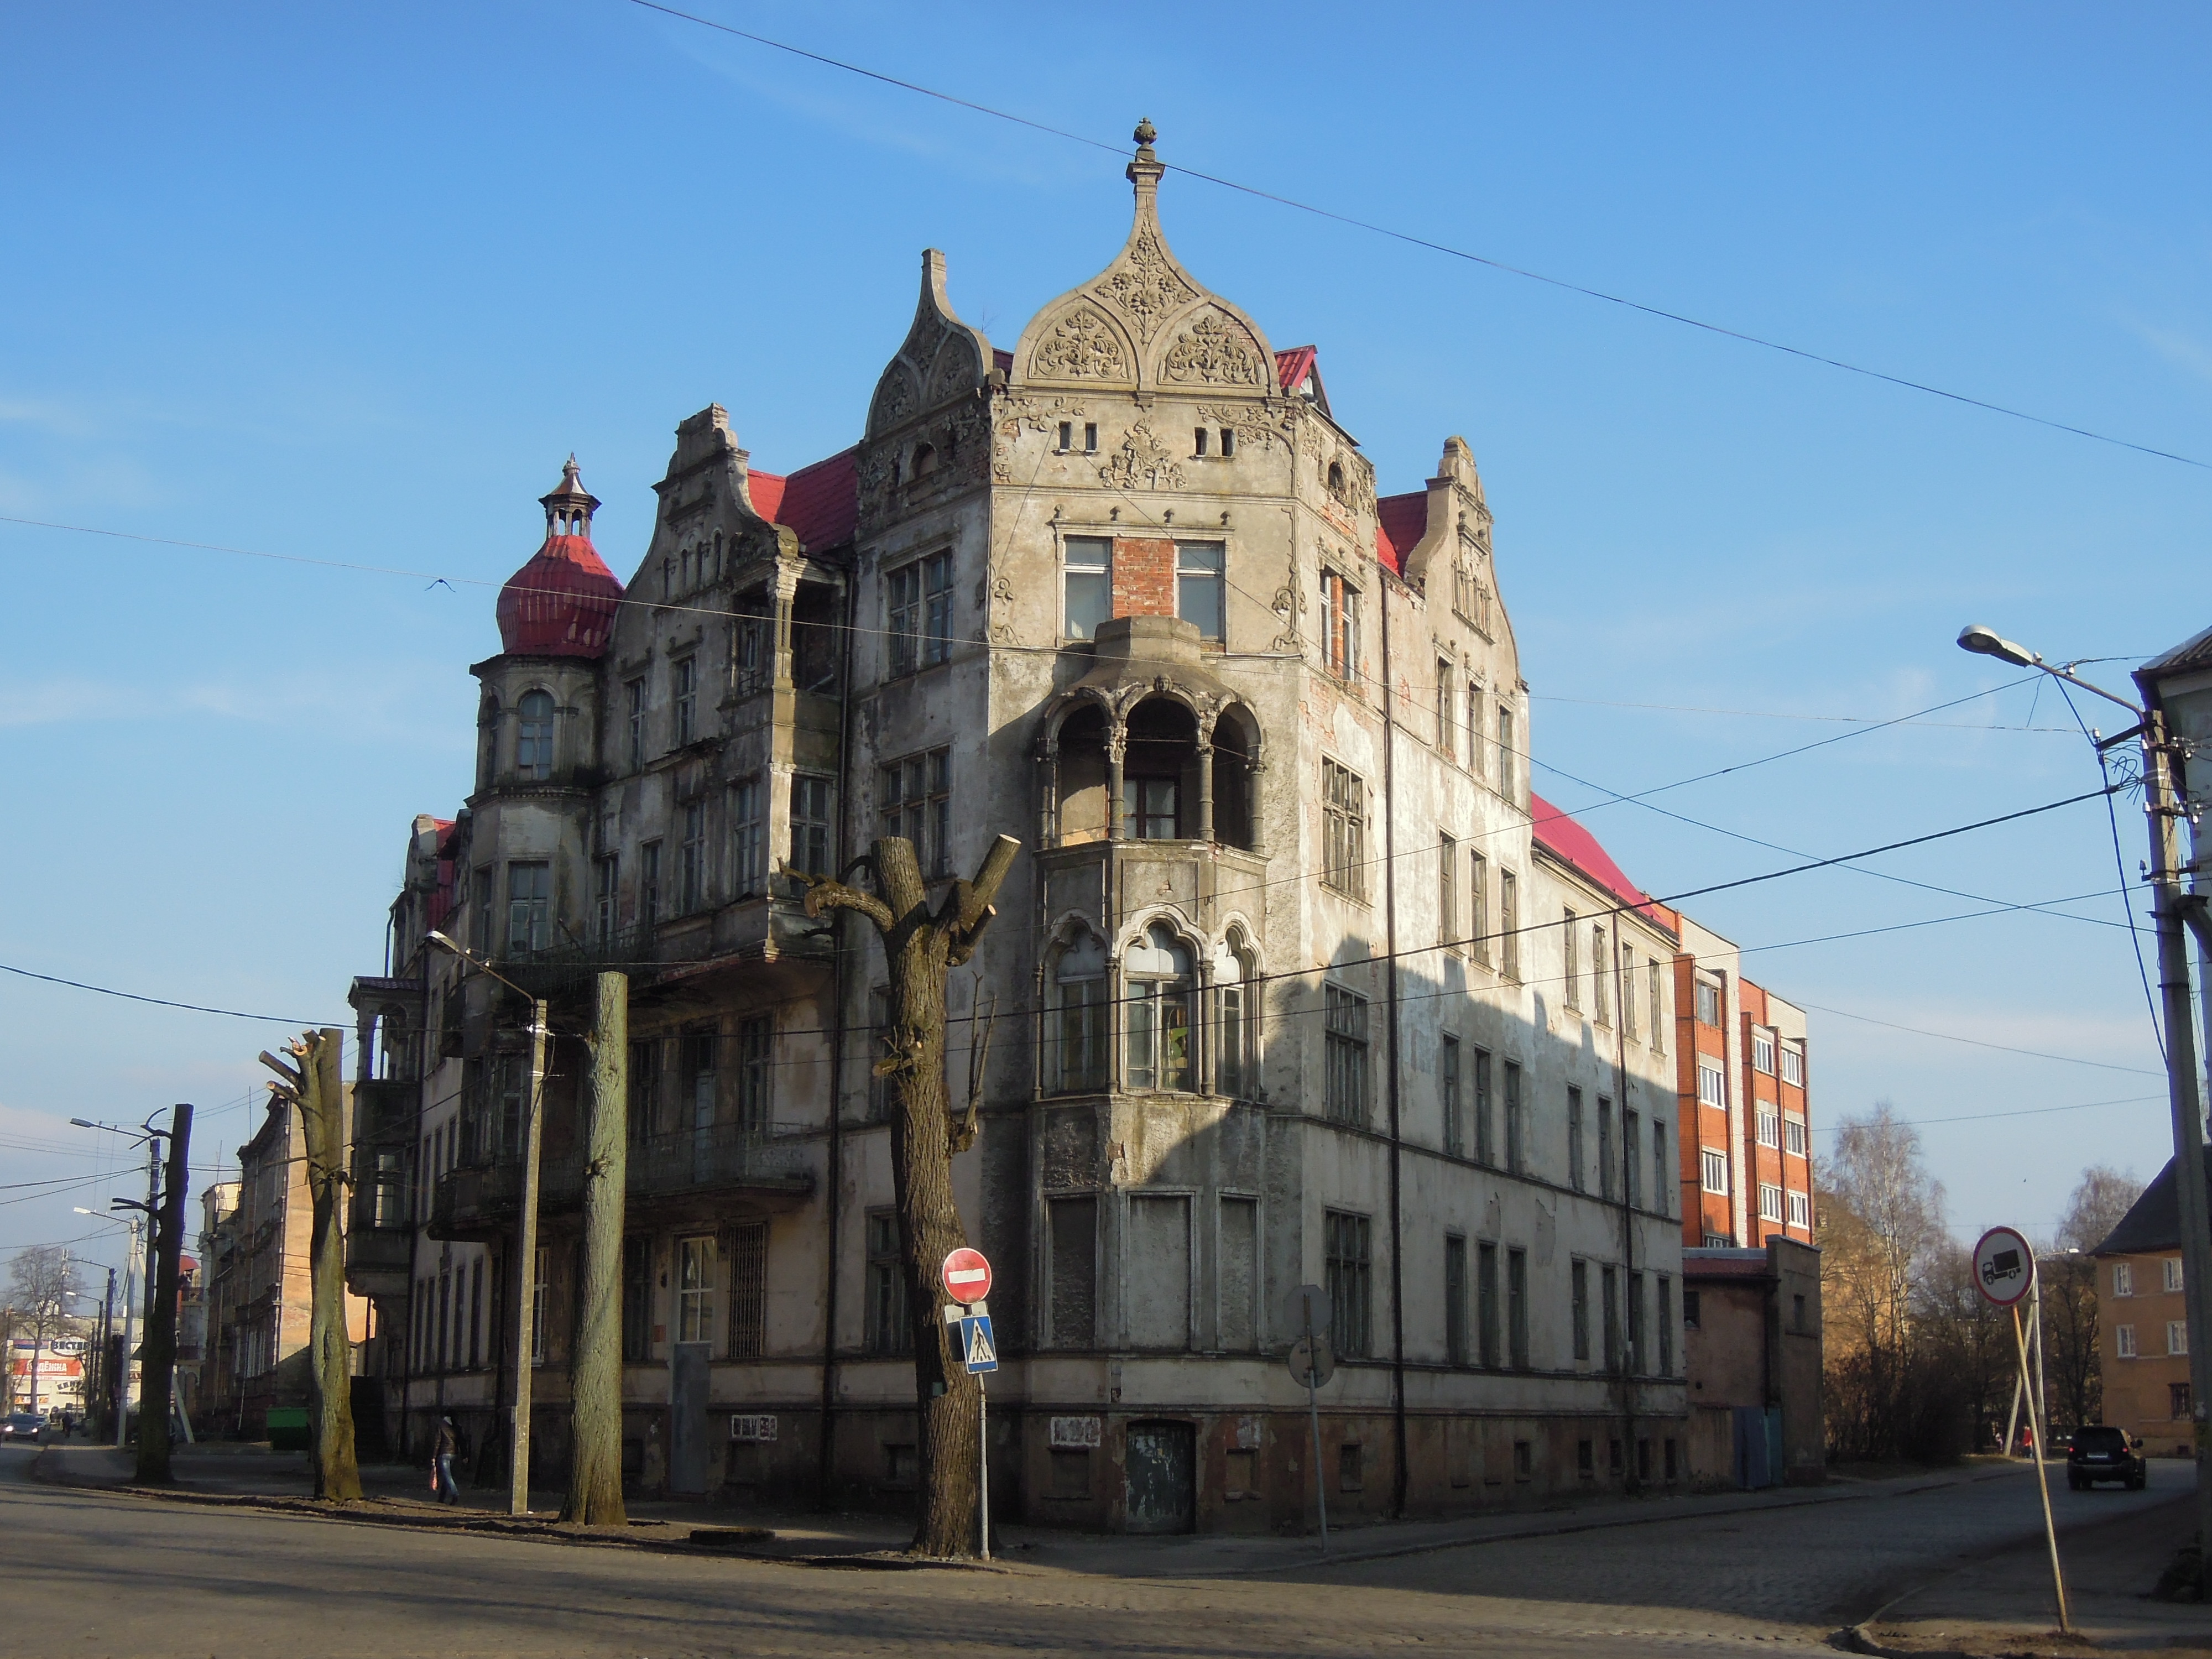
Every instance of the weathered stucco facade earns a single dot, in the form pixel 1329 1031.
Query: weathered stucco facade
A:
pixel 1288 985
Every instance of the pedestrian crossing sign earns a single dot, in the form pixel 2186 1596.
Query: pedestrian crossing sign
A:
pixel 978 1351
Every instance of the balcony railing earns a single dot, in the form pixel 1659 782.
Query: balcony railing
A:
pixel 760 1161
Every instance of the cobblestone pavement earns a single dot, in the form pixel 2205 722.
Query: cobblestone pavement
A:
pixel 126 1577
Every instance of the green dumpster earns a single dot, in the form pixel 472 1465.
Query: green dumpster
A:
pixel 287 1429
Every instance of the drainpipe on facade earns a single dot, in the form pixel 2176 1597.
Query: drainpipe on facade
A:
pixel 1627 1219
pixel 1390 1064
pixel 826 1450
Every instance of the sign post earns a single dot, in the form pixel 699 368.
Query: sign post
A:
pixel 2004 1273
pixel 967 1277
pixel 1311 1365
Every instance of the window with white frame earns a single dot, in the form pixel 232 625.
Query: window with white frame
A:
pixel 2177 1336
pixel 695 1289
pixel 1715 1167
pixel 1801 1210
pixel 1762 1051
pixel 1087 586
pixel 1770 1202
pixel 1202 587
pixel 2173 1273
pixel 1793 1136
pixel 918 613
pixel 1770 1125
pixel 1157 1013
pixel 1793 1065
pixel 2124 1279
pixel 1712 1085
pixel 2124 1341
pixel 1340 614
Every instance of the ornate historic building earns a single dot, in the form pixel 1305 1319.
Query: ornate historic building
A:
pixel 1294 981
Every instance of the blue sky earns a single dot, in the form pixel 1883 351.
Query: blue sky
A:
pixel 350 284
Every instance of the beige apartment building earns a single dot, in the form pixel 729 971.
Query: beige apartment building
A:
pixel 2143 1325
pixel 1294 981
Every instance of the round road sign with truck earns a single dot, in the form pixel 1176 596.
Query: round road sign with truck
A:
pixel 967 1275
pixel 2004 1267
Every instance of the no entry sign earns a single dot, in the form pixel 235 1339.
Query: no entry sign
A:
pixel 2004 1267
pixel 967 1275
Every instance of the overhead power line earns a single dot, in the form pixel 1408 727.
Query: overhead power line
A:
pixel 1412 241
pixel 159 1002
pixel 1977 1043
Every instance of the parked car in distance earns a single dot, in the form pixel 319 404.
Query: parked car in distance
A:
pixel 2100 1452
pixel 21 1425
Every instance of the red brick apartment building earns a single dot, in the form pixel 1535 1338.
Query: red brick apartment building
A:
pixel 1746 1125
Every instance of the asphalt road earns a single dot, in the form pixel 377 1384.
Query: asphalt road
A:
pixel 109 1575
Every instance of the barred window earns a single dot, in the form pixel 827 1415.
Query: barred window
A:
pixel 748 1290
pixel 1348 1269
pixel 1344 1036
pixel 915 795
pixel 1344 831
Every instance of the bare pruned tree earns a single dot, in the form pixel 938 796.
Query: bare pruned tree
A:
pixel 2068 1276
pixel 41 1282
pixel 920 947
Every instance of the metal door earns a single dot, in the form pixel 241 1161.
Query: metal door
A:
pixel 1163 1475
pixel 686 1418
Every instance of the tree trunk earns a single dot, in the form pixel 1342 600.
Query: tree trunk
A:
pixel 595 1494
pixel 158 1367
pixel 919 948
pixel 316 1090
pixel 322 1112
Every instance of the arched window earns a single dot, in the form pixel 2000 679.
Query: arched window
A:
pixel 1237 1010
pixel 1077 1032
pixel 925 462
pixel 1159 1024
pixel 1336 480
pixel 533 737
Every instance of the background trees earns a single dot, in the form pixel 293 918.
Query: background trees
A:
pixel 1919 1367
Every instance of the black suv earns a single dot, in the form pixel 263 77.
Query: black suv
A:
pixel 2100 1452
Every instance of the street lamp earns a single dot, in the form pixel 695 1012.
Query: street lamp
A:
pixel 116 1389
pixel 151 1138
pixel 525 1240
pixel 2175 913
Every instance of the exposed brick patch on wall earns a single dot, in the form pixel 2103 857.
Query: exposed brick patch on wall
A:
pixel 1144 577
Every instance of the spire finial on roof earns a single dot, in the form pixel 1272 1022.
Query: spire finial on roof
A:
pixel 1145 135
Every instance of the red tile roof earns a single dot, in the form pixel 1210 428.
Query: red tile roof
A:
pixel 1400 521
pixel 822 502
pixel 562 604
pixel 1292 367
pixel 1568 841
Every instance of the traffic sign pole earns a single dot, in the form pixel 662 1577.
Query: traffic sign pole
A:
pixel 983 1467
pixel 2004 1273
pixel 966 1276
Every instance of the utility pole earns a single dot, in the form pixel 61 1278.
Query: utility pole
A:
pixel 121 1389
pixel 106 1385
pixel 159 1371
pixel 526 1267
pixel 2173 912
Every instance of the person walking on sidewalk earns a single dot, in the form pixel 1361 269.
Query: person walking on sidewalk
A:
pixel 441 1463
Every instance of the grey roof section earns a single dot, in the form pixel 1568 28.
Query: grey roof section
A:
pixel 2155 1224
pixel 2184 659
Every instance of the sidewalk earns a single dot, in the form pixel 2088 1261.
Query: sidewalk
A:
pixel 2004 1606
pixel 220 1472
